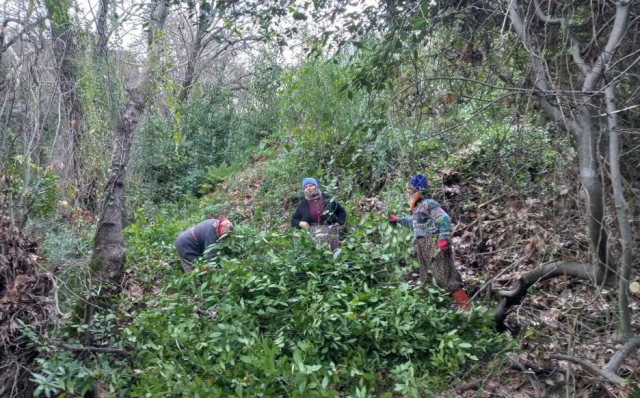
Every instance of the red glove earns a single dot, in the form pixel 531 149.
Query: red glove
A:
pixel 393 218
pixel 443 244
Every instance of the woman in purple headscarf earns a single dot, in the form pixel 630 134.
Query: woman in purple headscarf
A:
pixel 320 214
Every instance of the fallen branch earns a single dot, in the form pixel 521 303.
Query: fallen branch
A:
pixel 109 350
pixel 515 295
pixel 617 359
pixel 612 377
pixel 473 385
pixel 75 348
pixel 610 371
pixel 538 387
pixel 542 371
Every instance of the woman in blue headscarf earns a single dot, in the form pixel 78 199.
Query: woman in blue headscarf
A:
pixel 431 226
pixel 322 215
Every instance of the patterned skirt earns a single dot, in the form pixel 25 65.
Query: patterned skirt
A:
pixel 329 234
pixel 439 262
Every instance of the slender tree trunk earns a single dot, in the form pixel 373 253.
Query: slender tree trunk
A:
pixel 109 250
pixel 65 50
pixel 68 83
pixel 591 181
pixel 622 210
pixel 107 259
pixel 101 27
pixel 581 126
pixel 190 73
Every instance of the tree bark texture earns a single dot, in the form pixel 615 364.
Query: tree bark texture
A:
pixel 109 250
pixel 101 27
pixel 190 74
pixel 622 210
pixel 65 49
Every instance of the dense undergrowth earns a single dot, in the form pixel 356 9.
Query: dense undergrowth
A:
pixel 274 315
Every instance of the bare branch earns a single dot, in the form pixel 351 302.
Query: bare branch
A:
pixel 610 371
pixel 622 353
pixel 74 348
pixel 617 32
pixel 538 388
pixel 612 377
pixel 25 29
pixel 575 45
pixel 540 77
pixel 515 295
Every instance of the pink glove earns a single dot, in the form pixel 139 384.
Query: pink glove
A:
pixel 443 244
pixel 393 218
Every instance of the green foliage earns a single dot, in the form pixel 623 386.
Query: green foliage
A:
pixel 520 156
pixel 38 186
pixel 151 235
pixel 43 193
pixel 218 174
pixel 342 138
pixel 101 97
pixel 274 315
pixel 205 131
pixel 58 11
pixel 63 375
pixel 175 156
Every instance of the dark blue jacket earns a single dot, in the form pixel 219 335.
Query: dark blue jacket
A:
pixel 192 243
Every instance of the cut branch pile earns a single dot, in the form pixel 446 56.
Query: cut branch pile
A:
pixel 25 309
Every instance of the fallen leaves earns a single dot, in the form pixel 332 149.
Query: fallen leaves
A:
pixel 506 236
pixel 24 291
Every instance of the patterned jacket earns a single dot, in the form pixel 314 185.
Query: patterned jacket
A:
pixel 428 219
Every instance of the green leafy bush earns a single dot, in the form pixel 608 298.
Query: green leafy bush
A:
pixel 38 186
pixel 274 315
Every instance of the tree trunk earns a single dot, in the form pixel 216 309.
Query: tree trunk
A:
pixel 107 259
pixel 64 49
pixel 101 27
pixel 580 125
pixel 190 74
pixel 109 251
pixel 591 181
pixel 622 210
pixel 68 83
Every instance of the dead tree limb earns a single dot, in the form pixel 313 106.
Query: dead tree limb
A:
pixel 626 350
pixel 610 371
pixel 538 387
pixel 612 377
pixel 515 295
pixel 75 348
pixel 473 385
pixel 107 350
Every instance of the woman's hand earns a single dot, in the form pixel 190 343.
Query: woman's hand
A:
pixel 303 225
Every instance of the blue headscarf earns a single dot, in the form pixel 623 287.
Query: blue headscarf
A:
pixel 308 181
pixel 419 182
